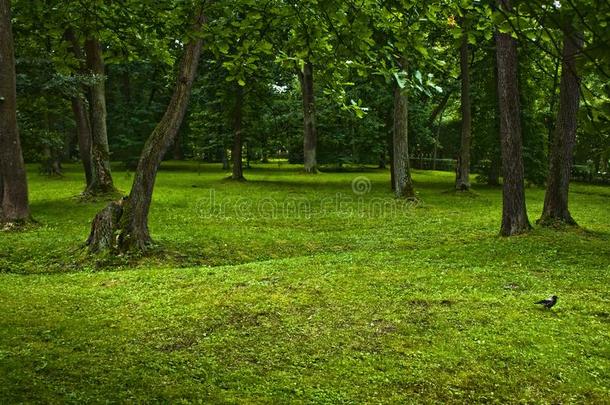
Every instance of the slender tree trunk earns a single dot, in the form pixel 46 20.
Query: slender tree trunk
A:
pixel 83 133
pixel 81 112
pixel 225 159
pixel 560 162
pixel 130 216
pixel 403 184
pixel 309 119
pixel 14 206
pixel 462 180
pixel 439 108
pixel 101 178
pixel 236 152
pixel 514 213
pixel 436 138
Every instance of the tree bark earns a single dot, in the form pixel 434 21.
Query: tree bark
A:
pixel 514 213
pixel 403 184
pixel 101 178
pixel 132 224
pixel 14 208
pixel 560 163
pixel 309 119
pixel 236 152
pixel 462 180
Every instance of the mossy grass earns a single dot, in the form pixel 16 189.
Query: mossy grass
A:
pixel 291 288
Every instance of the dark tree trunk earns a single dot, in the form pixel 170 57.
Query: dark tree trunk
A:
pixel 81 112
pixel 14 206
pixel 310 137
pixel 560 163
pixel 403 184
pixel 132 223
pixel 462 180
pixel 514 213
pixel 236 152
pixel 101 178
pixel 83 133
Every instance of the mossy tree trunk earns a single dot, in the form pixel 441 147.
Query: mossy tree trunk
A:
pixel 14 207
pixel 514 213
pixel 403 184
pixel 310 136
pixel 462 178
pixel 131 221
pixel 564 137
pixel 101 178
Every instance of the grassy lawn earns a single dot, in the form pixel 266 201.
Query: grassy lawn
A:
pixel 294 288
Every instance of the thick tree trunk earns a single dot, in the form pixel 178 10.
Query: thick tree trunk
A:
pixel 560 163
pixel 14 206
pixel 101 178
pixel 403 184
pixel 236 152
pixel 462 180
pixel 514 213
pixel 310 137
pixel 133 221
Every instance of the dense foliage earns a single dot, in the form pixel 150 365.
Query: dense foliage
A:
pixel 259 46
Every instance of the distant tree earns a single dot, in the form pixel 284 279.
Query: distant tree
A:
pixel 462 180
pixel 514 212
pixel 14 206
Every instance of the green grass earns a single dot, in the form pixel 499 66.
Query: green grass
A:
pixel 292 288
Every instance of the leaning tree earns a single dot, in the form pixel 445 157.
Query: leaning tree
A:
pixel 129 217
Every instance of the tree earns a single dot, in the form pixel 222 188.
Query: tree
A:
pixel 101 178
pixel 236 152
pixel 130 216
pixel 462 171
pixel 13 182
pixel 310 137
pixel 81 113
pixel 403 184
pixel 560 163
pixel 514 213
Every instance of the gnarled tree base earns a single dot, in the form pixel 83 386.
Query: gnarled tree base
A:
pixel 112 230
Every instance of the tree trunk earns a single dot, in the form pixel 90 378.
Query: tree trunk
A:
pixel 132 223
pixel 83 132
pixel 514 213
pixel 309 119
pixel 462 181
pixel 403 184
pixel 236 152
pixel 81 112
pixel 101 178
pixel 225 159
pixel 14 208
pixel 560 163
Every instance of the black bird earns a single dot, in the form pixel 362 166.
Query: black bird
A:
pixel 549 302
